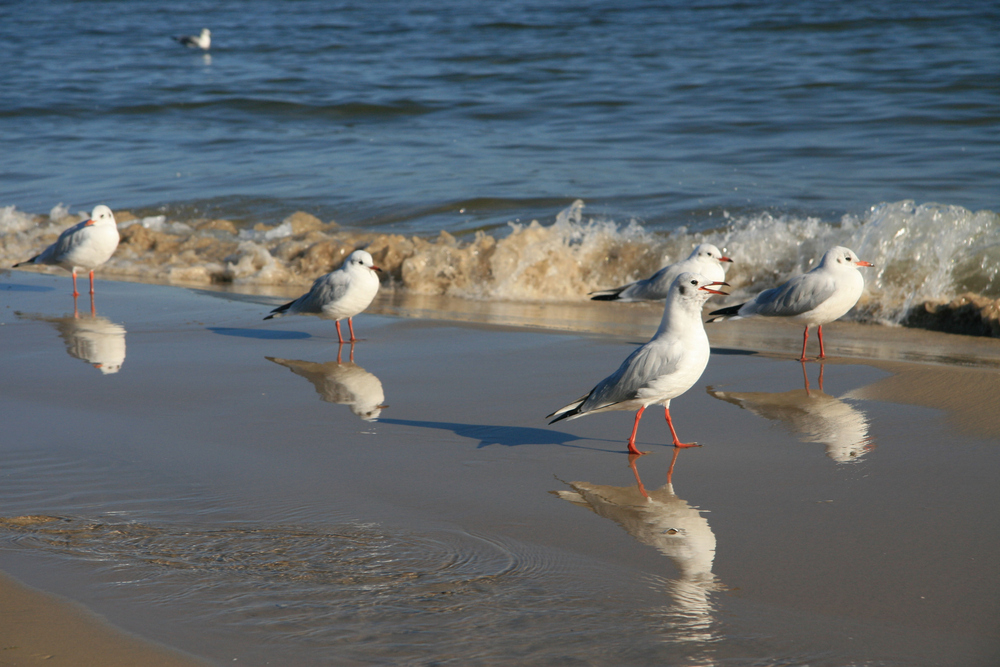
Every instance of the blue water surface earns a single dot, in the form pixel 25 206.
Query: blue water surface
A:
pixel 418 116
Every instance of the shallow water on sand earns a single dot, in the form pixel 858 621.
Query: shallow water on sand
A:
pixel 209 498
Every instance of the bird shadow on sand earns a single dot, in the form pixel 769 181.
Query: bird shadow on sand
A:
pixel 505 436
pixel 733 352
pixel 17 287
pixel 263 334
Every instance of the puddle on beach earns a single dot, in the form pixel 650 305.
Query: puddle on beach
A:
pixel 359 591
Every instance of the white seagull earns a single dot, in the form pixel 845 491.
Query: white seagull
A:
pixel 339 294
pixel 662 369
pixel 705 260
pixel 85 245
pixel 812 299
pixel 202 41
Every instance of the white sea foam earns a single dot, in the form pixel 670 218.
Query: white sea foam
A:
pixel 926 253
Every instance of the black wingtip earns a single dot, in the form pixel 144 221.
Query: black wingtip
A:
pixel 564 415
pixel 280 310
pixel 604 297
pixel 726 312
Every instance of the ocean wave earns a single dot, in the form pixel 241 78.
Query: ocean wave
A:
pixel 936 266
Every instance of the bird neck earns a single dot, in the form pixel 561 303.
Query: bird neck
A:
pixel 677 317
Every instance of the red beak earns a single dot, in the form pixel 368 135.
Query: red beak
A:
pixel 863 263
pixel 725 259
pixel 714 291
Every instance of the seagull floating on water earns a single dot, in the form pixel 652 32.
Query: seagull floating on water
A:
pixel 705 260
pixel 823 295
pixel 339 294
pixel 85 245
pixel 662 369
pixel 202 41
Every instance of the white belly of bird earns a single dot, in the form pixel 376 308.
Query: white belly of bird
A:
pixel 662 389
pixel 94 249
pixel 354 300
pixel 836 306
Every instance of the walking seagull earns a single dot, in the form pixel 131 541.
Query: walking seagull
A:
pixel 662 369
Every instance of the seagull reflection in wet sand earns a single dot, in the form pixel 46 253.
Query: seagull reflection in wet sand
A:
pixel 93 339
pixel 814 416
pixel 660 519
pixel 342 383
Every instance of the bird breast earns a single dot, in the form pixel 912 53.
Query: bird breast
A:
pixel 91 246
pixel 851 284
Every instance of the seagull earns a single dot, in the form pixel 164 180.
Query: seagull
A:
pixel 339 294
pixel 202 41
pixel 85 245
pixel 662 369
pixel 705 260
pixel 813 299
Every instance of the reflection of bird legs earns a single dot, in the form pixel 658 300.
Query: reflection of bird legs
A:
pixel 670 470
pixel 76 312
pixel 638 480
pixel 805 377
pixel 341 347
pixel 635 471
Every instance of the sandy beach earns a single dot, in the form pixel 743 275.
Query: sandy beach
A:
pixel 209 488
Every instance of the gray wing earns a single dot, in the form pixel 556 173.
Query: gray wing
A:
pixel 642 367
pixel 69 239
pixel 326 289
pixel 654 288
pixel 799 295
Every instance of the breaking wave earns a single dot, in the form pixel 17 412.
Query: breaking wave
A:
pixel 936 266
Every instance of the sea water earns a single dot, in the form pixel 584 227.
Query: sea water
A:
pixel 513 151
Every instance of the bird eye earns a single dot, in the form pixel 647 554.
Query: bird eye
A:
pixel 694 282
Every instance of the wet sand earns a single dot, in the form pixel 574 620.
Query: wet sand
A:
pixel 222 495
pixel 40 629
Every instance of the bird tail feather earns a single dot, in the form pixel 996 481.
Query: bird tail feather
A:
pixel 724 313
pixel 567 412
pixel 609 295
pixel 280 310
pixel 27 261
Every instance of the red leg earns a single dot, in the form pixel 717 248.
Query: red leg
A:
pixel 805 377
pixel 670 423
pixel 670 470
pixel 75 293
pixel 635 471
pixel 350 325
pixel 805 337
pixel 819 332
pixel 339 337
pixel 91 282
pixel 93 309
pixel 635 427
